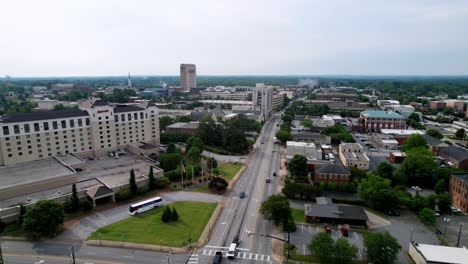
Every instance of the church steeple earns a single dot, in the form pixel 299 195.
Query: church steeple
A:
pixel 129 83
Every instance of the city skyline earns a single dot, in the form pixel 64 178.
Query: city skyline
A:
pixel 54 38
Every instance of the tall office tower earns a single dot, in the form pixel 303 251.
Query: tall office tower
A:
pixel 262 99
pixel 188 76
pixel 129 83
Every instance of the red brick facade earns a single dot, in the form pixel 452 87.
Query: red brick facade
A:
pixel 459 192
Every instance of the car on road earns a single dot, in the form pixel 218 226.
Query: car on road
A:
pixel 416 188
pixel 218 257
pixel 242 195
pixel 274 174
pixel 454 209
pixel 395 212
pixel 268 180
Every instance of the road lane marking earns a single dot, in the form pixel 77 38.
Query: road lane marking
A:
pixel 58 258
pixel 355 234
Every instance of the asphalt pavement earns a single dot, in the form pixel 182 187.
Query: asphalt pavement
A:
pixel 241 216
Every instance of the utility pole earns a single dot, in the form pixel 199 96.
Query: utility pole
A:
pixel 73 255
pixel 459 235
pixel 1 255
pixel 277 238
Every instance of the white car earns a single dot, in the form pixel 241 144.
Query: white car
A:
pixel 416 188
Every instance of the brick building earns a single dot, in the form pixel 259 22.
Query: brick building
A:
pixel 459 191
pixel 182 128
pixel 329 173
pixel 437 104
pixel 457 156
pixel 372 120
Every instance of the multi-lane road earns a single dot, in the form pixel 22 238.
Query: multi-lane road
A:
pixel 241 215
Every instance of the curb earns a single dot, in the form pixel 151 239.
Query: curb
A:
pixel 128 245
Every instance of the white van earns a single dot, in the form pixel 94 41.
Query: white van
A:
pixel 231 254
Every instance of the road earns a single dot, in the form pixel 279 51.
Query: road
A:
pixel 242 215
pixel 19 252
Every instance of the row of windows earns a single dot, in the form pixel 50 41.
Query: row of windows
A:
pixel 48 154
pixel 46 126
pixel 333 177
pixel 39 146
pixel 129 117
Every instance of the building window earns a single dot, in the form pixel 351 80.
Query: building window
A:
pixel 99 118
pixel 36 127
pixel 87 121
pixel 64 124
pixel 141 115
pixel 80 122
pixel 16 129
pixel 72 123
pixel 26 128
pixel 54 125
pixel 122 117
pixel 6 131
pixel 135 116
pixel 46 126
pixel 129 117
pixel 116 118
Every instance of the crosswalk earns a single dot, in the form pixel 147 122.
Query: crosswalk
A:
pixel 193 259
pixel 240 254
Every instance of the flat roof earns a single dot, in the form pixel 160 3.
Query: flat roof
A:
pixel 234 102
pixel 335 211
pixel 401 132
pixel 389 141
pixel 36 116
pixel 443 254
pixel 183 125
pixel 32 171
pixel 381 114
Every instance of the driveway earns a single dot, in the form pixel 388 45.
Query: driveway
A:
pixel 79 230
pixel 224 158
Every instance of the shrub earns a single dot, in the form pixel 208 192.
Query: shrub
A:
pixel 123 195
pixel 173 175
pixel 174 215
pixel 86 205
pixel 167 215
pixel 162 182
pixel 67 206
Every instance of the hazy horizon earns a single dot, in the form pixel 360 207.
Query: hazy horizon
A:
pixel 53 38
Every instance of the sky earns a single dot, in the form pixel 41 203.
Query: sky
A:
pixel 233 37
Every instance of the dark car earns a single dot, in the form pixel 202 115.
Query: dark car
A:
pixel 218 257
pixel 394 212
pixel 274 174
pixel 242 195
pixel 268 180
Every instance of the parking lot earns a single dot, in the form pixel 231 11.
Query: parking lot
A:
pixel 304 233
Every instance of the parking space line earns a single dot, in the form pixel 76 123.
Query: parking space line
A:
pixel 355 234
pixel 302 228
pixel 268 258
pixel 303 248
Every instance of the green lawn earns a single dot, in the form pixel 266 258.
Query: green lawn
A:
pixel 298 215
pixel 228 170
pixel 147 228
pixel 13 230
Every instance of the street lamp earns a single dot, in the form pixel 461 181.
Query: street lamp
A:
pixel 277 238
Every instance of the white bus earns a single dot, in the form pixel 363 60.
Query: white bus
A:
pixel 145 205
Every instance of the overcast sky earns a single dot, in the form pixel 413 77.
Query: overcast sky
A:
pixel 97 37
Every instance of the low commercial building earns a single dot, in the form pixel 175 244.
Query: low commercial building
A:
pixel 337 214
pixel 385 103
pixel 332 173
pixel 459 191
pixel 352 155
pixel 183 128
pixel 278 100
pixel 376 120
pixel 384 141
pixel 457 105
pixel 401 135
pixel 310 137
pixel 335 96
pixel 435 254
pixel 308 150
pixel 404 110
pixel 435 144
pixel 340 105
pixel 455 155
pixel 396 157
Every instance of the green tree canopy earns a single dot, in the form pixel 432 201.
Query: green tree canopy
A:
pixel 419 167
pixel 427 216
pixel 277 208
pixel 434 133
pixel 165 121
pixel 321 246
pixel 170 161
pixel 460 133
pixel 307 123
pixel 283 136
pixel 194 142
pixel 297 166
pixel 194 155
pixel 414 141
pixel 382 248
pixel 385 170
pixel 377 193
pixel 43 219
pixel 132 183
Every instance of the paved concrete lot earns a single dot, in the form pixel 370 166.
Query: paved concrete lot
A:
pixel 453 228
pixel 305 232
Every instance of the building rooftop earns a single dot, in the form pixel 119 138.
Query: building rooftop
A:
pixel 456 153
pixel 335 211
pixel 461 176
pixel 191 125
pixel 127 108
pixel 333 169
pixel 381 114
pixel 432 141
pixel 401 132
pixel 442 254
pixel 36 116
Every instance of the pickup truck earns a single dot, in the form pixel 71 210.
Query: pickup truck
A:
pixel 218 257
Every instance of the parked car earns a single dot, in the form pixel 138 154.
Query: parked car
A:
pixel 344 230
pixel 327 228
pixel 268 180
pixel 274 174
pixel 242 195
pixel 395 212
pixel 416 188
pixel 218 257
pixel 91 158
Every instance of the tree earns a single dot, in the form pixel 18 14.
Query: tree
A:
pixel 218 185
pixel 165 121
pixel 414 141
pixel 75 201
pixel 166 215
pixel 283 136
pixel 440 186
pixel 171 148
pixel 307 123
pixel 132 183
pixel 427 216
pixel 162 182
pixel 174 215
pixel 419 167
pixel 151 179
pixel 385 170
pixel 170 161
pixel 43 219
pixel 194 155
pixel 297 166
pixel 277 208
pixel 22 211
pixel 322 246
pixel 444 202
pixel 414 117
pixel 377 193
pixel 212 163
pixel 382 248
pixel 460 133
pixel 194 142
pixel 434 133
pixel 344 252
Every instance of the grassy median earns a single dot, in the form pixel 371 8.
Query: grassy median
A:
pixel 147 228
pixel 229 170
pixel 298 215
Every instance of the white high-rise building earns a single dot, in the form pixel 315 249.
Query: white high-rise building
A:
pixel 188 76
pixel 262 99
